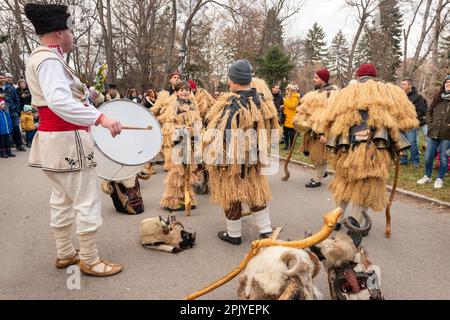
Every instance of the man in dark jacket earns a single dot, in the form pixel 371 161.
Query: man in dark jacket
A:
pixel 278 101
pixel 13 106
pixel 421 109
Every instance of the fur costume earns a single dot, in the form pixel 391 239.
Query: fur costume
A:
pixel 160 103
pixel 362 166
pixel 351 275
pixel 166 235
pixel 312 108
pixel 275 271
pixel 232 181
pixel 179 114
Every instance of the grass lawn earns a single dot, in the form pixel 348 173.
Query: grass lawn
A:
pixel 408 174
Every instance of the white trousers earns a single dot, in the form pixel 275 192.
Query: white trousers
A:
pixel 75 197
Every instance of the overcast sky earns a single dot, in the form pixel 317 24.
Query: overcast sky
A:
pixel 331 15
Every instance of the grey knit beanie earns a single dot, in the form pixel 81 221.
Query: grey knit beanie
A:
pixel 240 72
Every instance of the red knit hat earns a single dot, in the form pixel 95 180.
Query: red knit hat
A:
pixel 367 69
pixel 324 74
pixel 175 73
pixel 192 84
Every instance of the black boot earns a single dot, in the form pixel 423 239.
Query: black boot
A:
pixel 3 153
pixel 9 153
pixel 21 148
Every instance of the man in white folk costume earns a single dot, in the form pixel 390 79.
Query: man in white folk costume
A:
pixel 63 147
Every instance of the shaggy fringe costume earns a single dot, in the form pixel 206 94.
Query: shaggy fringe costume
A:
pixel 362 164
pixel 311 110
pixel 178 115
pixel 235 183
pixel 204 101
pixel 164 100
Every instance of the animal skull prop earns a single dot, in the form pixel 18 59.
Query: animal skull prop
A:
pixel 351 276
pixel 166 235
pixel 280 273
pixel 126 195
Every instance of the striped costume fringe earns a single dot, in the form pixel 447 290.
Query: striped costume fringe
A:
pixel 235 182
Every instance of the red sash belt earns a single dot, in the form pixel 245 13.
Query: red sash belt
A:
pixel 50 121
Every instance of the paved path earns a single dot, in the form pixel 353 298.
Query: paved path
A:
pixel 415 262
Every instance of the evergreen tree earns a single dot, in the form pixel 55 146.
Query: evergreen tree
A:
pixel 272 34
pixel 391 26
pixel 444 60
pixel 315 44
pixel 363 53
pixel 274 66
pixel 337 60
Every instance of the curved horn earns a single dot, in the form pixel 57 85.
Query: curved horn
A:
pixel 354 227
pixel 164 226
pixel 298 267
pixel 178 223
pixel 107 188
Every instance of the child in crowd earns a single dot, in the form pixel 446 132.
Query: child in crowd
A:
pixel 27 124
pixel 5 131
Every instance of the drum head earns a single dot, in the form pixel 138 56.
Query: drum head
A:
pixel 111 170
pixel 132 147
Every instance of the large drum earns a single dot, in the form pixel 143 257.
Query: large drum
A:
pixel 122 157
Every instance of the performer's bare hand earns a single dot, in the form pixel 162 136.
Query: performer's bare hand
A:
pixel 114 126
pixel 323 140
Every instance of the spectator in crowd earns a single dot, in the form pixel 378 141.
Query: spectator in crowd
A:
pixel 421 109
pixel 278 100
pixel 12 101
pixel 24 93
pixel 149 99
pixel 438 121
pixel 133 95
pixel 27 124
pixel 290 102
pixel 5 131
pixel 9 79
pixel 112 94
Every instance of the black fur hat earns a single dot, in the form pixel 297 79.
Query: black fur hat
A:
pixel 48 17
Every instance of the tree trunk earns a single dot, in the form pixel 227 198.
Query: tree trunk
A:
pixel 107 37
pixel 435 45
pixel 170 43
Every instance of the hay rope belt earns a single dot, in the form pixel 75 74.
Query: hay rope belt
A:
pixel 330 221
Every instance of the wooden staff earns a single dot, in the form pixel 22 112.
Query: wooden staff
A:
pixel 391 198
pixel 187 177
pixel 330 221
pixel 187 195
pixel 286 169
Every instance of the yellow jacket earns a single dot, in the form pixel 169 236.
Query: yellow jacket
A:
pixel 27 121
pixel 290 105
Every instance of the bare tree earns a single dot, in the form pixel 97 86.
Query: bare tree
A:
pixel 441 21
pixel 105 20
pixel 365 9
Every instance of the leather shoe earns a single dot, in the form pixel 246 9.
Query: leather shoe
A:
pixel 223 235
pixel 313 184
